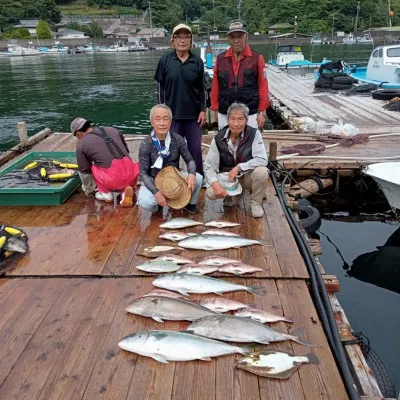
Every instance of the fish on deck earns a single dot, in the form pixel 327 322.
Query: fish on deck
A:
pixel 179 223
pixel 216 242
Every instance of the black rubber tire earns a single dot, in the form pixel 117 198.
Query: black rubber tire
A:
pixel 323 82
pixel 339 86
pixel 310 218
pixel 343 80
pixel 385 94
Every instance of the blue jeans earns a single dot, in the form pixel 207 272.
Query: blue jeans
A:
pixel 147 200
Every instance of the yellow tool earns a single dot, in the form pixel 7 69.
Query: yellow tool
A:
pixel 31 165
pixel 2 241
pixel 43 172
pixel 72 166
pixel 59 176
pixel 13 231
pixel 56 162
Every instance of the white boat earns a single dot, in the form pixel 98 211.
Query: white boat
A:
pixel 316 39
pixel 349 39
pixel 383 68
pixel 55 49
pixel 365 39
pixel 87 48
pixel 138 47
pixel 291 56
pixel 387 176
pixel 14 50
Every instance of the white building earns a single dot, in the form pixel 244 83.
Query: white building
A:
pixel 72 34
pixel 30 24
pixel 145 33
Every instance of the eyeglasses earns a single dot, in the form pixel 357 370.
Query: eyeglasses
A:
pixel 183 37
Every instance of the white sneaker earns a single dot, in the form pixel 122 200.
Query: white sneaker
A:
pixel 107 197
pixel 256 210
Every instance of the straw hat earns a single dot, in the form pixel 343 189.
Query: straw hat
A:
pixel 172 184
pixel 233 188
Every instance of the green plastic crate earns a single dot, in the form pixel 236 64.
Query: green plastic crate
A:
pixel 41 196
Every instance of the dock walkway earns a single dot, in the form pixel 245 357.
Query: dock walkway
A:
pixel 64 305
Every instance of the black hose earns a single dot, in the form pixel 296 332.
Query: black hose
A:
pixel 320 296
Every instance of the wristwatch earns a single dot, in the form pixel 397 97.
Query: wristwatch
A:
pixel 263 113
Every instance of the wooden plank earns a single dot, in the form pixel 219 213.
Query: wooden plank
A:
pixel 290 260
pixel 24 312
pixel 318 381
pixel 75 365
pixel 38 359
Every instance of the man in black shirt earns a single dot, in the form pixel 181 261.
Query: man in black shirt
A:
pixel 180 77
pixel 159 150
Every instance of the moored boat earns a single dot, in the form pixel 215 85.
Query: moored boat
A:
pixel 383 68
pixel 15 50
pixel 291 56
pixel 387 176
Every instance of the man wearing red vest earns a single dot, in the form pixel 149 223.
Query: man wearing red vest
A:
pixel 240 76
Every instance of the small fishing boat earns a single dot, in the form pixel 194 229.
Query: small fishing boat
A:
pixel 387 176
pixel 291 56
pixel 316 39
pixel 383 68
pixel 15 50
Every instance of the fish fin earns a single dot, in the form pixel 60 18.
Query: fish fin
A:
pixel 182 292
pixel 158 319
pixel 257 290
pixel 205 359
pixel 295 336
pixel 159 358
pixel 285 374
pixel 246 350
pixel 312 358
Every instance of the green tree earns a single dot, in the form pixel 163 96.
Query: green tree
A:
pixel 19 33
pixel 43 30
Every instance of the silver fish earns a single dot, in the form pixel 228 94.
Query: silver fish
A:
pixel 178 223
pixel 274 364
pixel 156 251
pixel 174 236
pixel 186 283
pixel 219 232
pixel 175 259
pixel 215 242
pixel 164 346
pixel 162 308
pixel 217 260
pixel 238 268
pixel 261 315
pixel 236 329
pixel 157 266
pixel 17 244
pixel 221 305
pixel 165 293
pixel 198 269
pixel 222 224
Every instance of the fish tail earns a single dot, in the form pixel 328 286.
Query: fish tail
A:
pixel 246 350
pixel 312 358
pixel 299 340
pixel 257 290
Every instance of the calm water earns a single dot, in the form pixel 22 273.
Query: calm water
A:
pixel 369 273
pixel 111 89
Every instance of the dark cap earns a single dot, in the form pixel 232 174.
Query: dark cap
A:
pixel 78 123
pixel 237 25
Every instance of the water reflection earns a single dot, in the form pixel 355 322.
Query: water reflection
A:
pixel 380 267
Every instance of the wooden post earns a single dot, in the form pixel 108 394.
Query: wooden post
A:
pixel 23 133
pixel 273 149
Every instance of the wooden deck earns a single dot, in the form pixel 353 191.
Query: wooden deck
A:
pixel 295 95
pixel 64 306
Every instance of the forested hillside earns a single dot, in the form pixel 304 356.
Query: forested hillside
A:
pixel 312 15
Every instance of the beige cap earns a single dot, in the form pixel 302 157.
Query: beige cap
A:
pixel 78 123
pixel 181 27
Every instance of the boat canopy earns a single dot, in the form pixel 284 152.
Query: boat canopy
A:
pixel 289 49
